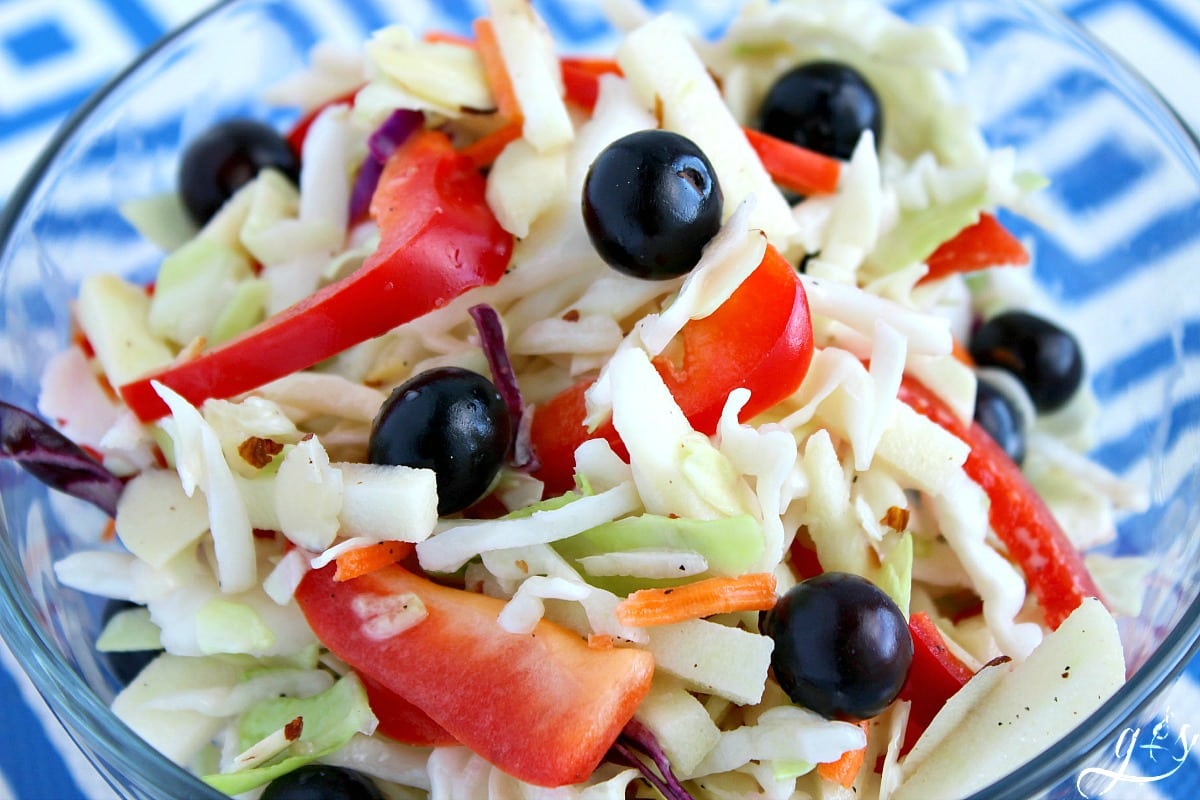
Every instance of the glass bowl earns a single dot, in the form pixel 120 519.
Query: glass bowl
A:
pixel 1115 252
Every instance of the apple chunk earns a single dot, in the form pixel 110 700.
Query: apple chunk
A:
pixel 1030 707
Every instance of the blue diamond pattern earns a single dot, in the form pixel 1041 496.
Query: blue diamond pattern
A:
pixel 39 43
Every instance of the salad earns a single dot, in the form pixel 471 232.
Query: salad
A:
pixel 677 421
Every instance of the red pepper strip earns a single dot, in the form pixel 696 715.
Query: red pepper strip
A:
pixel 542 706
pixel 804 560
pixel 793 167
pixel 985 244
pixel 558 429
pixel 935 675
pixel 299 131
pixel 581 79
pixel 760 338
pixel 401 720
pixel 439 239
pixel 1053 567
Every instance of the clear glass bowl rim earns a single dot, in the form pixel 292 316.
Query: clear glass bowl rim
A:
pixel 106 740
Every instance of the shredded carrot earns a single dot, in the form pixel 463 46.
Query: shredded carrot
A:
pixel 484 151
pixel 961 353
pixel 703 598
pixel 110 531
pixel 600 641
pixel 845 769
pixel 80 339
pixel 364 560
pixel 496 71
pixel 446 37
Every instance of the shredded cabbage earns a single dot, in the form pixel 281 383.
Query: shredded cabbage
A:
pixel 201 464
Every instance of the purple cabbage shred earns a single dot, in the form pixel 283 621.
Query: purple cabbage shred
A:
pixel 491 339
pixel 637 747
pixel 394 131
pixel 55 460
pixel 364 187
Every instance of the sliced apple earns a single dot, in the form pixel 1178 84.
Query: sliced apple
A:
pixel 1032 706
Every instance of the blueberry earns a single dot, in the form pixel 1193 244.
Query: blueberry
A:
pixel 823 106
pixel 842 647
pixel 225 158
pixel 322 782
pixel 997 414
pixel 651 202
pixel 452 421
pixel 1044 357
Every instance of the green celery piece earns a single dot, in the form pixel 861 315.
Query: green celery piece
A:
pixel 1029 181
pixel 582 489
pixel 226 626
pixel 202 254
pixel 129 630
pixel 732 545
pixel 194 285
pixel 308 658
pixel 244 310
pixel 160 219
pixel 918 234
pixel 788 770
pixel 331 719
pixel 895 573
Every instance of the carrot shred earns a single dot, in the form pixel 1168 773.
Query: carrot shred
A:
pixel 484 151
pixel 109 533
pixel 446 37
pixel 962 354
pixel 364 560
pixel 845 769
pixel 793 167
pixel 703 598
pixel 496 70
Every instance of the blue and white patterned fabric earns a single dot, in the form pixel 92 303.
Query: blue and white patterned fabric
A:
pixel 55 53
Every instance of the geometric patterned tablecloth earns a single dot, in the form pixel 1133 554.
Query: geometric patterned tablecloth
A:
pixel 54 53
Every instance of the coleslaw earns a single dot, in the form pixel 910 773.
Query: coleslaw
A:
pixel 601 609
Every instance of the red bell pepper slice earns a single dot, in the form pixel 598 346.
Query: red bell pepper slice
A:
pixel 805 562
pixel 1052 566
pixel 401 720
pixel 760 338
pixel 581 79
pixel 935 675
pixel 439 239
pixel 299 132
pixel 544 707
pixel 793 167
pixel 987 243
